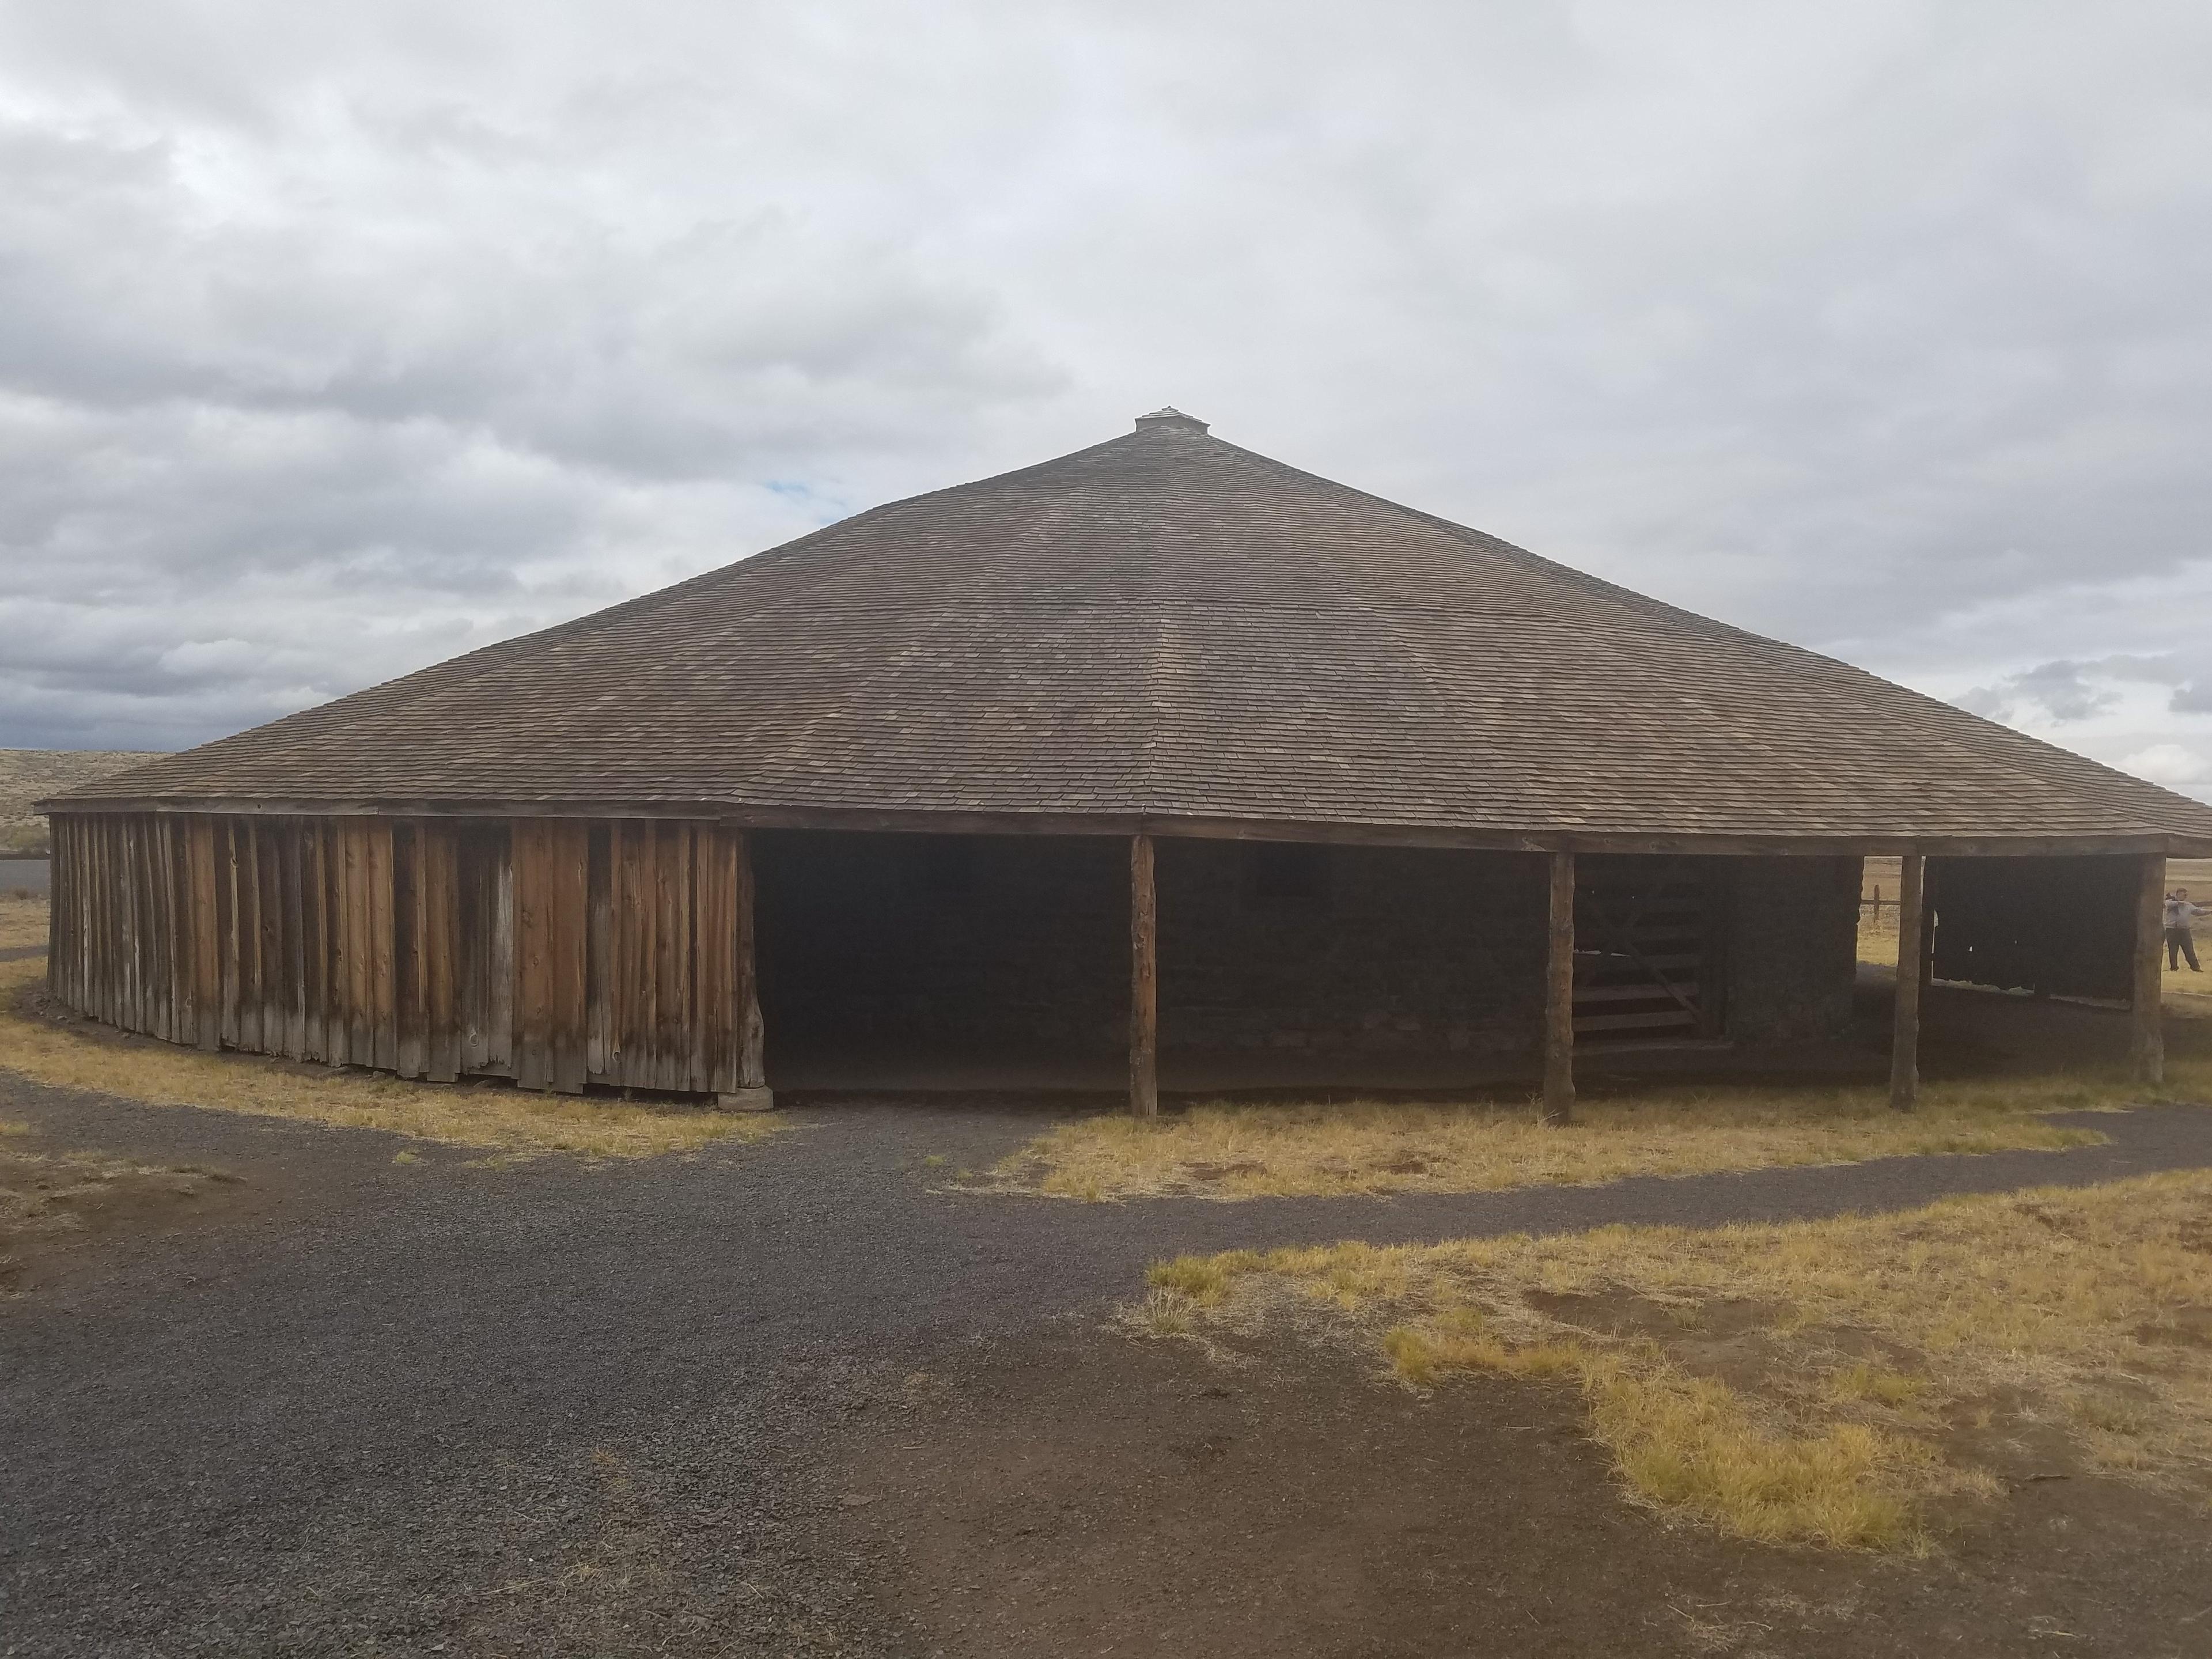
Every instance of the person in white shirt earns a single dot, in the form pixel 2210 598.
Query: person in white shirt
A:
pixel 2179 942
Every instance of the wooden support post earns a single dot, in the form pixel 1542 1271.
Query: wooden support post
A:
pixel 1143 982
pixel 1559 995
pixel 1904 1029
pixel 752 1093
pixel 2149 1038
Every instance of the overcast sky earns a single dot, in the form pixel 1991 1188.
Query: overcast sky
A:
pixel 334 341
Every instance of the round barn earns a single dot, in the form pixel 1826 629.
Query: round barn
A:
pixel 1162 761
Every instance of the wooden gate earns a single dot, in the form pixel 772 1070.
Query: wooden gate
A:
pixel 1647 957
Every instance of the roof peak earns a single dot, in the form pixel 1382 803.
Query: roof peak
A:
pixel 1169 418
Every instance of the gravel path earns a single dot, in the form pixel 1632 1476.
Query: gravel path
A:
pixel 550 1408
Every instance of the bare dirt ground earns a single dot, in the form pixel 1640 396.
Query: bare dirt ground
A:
pixel 1084 1491
pixel 59 1203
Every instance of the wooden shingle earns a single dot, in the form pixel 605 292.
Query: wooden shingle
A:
pixel 1167 629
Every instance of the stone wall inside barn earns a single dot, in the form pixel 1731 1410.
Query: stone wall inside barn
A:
pixel 1793 950
pixel 1349 950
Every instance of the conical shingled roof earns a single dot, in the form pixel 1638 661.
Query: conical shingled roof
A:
pixel 1167 627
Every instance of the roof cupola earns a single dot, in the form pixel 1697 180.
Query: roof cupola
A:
pixel 1170 419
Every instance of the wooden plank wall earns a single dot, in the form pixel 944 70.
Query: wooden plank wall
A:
pixel 485 920
pixel 669 931
pixel 551 891
pixel 557 952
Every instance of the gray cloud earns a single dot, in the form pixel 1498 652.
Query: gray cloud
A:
pixel 331 345
pixel 2063 692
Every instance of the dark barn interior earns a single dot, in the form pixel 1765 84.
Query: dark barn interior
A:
pixel 2056 927
pixel 979 960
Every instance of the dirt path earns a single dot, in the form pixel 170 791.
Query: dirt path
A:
pixel 548 1408
pixel 55 1205
pixel 1079 1492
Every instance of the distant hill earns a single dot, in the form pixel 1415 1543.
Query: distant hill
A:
pixel 29 774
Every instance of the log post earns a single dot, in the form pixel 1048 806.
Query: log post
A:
pixel 752 1093
pixel 2148 1045
pixel 1559 994
pixel 1904 1029
pixel 1144 981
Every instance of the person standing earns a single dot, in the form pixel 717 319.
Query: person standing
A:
pixel 2179 942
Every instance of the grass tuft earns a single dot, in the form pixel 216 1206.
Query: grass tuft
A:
pixel 1202 1279
pixel 1693 1443
pixel 1871 1383
pixel 1721 1367
pixel 1166 1312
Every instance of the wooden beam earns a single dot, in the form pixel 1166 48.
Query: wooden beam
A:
pixel 1559 993
pixel 752 1093
pixel 599 1003
pixel 317 860
pixel 271 905
pixel 569 905
pixel 1904 1028
pixel 384 1018
pixel 2149 1037
pixel 671 951
pixel 206 933
pixel 410 1004
pixel 246 896
pixel 1931 883
pixel 710 942
pixel 752 1068
pixel 533 956
pixel 552 879
pixel 1144 981
pixel 293 866
pixel 360 955
pixel 435 844
pixel 1529 839
pixel 641 912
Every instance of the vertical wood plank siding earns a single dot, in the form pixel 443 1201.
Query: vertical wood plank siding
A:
pixel 560 952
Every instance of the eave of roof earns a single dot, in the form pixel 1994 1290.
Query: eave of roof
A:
pixel 1535 838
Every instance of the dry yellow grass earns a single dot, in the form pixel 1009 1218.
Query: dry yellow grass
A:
pixel 22 921
pixel 1878 939
pixel 1229 1151
pixel 510 1121
pixel 1815 1380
